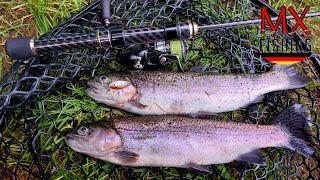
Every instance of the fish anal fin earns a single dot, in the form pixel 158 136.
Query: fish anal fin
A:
pixel 201 168
pixel 127 156
pixel 252 157
pixel 137 104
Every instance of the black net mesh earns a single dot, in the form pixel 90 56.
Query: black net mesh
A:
pixel 34 124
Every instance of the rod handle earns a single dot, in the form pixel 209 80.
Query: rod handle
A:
pixel 19 48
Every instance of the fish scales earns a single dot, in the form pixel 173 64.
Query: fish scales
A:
pixel 174 141
pixel 181 124
pixel 138 135
pixel 196 94
pixel 202 93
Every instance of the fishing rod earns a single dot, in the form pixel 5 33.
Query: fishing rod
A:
pixel 22 48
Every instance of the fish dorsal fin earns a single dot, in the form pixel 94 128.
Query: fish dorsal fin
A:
pixel 201 168
pixel 127 156
pixel 252 157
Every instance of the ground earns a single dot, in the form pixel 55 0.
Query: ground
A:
pixel 32 18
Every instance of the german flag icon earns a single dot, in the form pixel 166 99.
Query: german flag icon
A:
pixel 285 58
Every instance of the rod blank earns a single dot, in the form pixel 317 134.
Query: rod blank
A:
pixel 22 48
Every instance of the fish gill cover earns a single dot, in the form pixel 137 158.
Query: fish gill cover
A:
pixel 43 98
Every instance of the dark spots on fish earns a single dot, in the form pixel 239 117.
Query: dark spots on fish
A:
pixel 118 93
pixel 155 149
pixel 166 77
pixel 126 156
pixel 178 124
pixel 144 137
pixel 105 124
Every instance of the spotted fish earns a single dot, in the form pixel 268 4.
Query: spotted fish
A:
pixel 196 94
pixel 173 141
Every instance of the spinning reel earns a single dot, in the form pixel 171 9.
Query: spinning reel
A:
pixel 151 56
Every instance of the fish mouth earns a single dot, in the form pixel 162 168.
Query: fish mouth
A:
pixel 81 146
pixel 73 143
pixel 93 86
pixel 95 90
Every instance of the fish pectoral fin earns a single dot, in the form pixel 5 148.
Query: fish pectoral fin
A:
pixel 201 168
pixel 127 156
pixel 137 104
pixel 252 157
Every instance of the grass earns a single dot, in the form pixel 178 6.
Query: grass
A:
pixel 32 18
pixel 313 23
pixel 71 107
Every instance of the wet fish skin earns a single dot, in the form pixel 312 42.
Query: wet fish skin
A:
pixel 161 93
pixel 171 141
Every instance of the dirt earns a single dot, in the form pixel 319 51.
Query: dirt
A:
pixel 14 22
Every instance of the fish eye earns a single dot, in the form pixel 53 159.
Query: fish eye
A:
pixel 83 131
pixel 103 79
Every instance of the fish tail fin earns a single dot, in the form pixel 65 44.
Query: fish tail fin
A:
pixel 296 78
pixel 295 120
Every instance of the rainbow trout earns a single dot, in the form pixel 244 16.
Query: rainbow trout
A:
pixel 171 141
pixel 195 94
